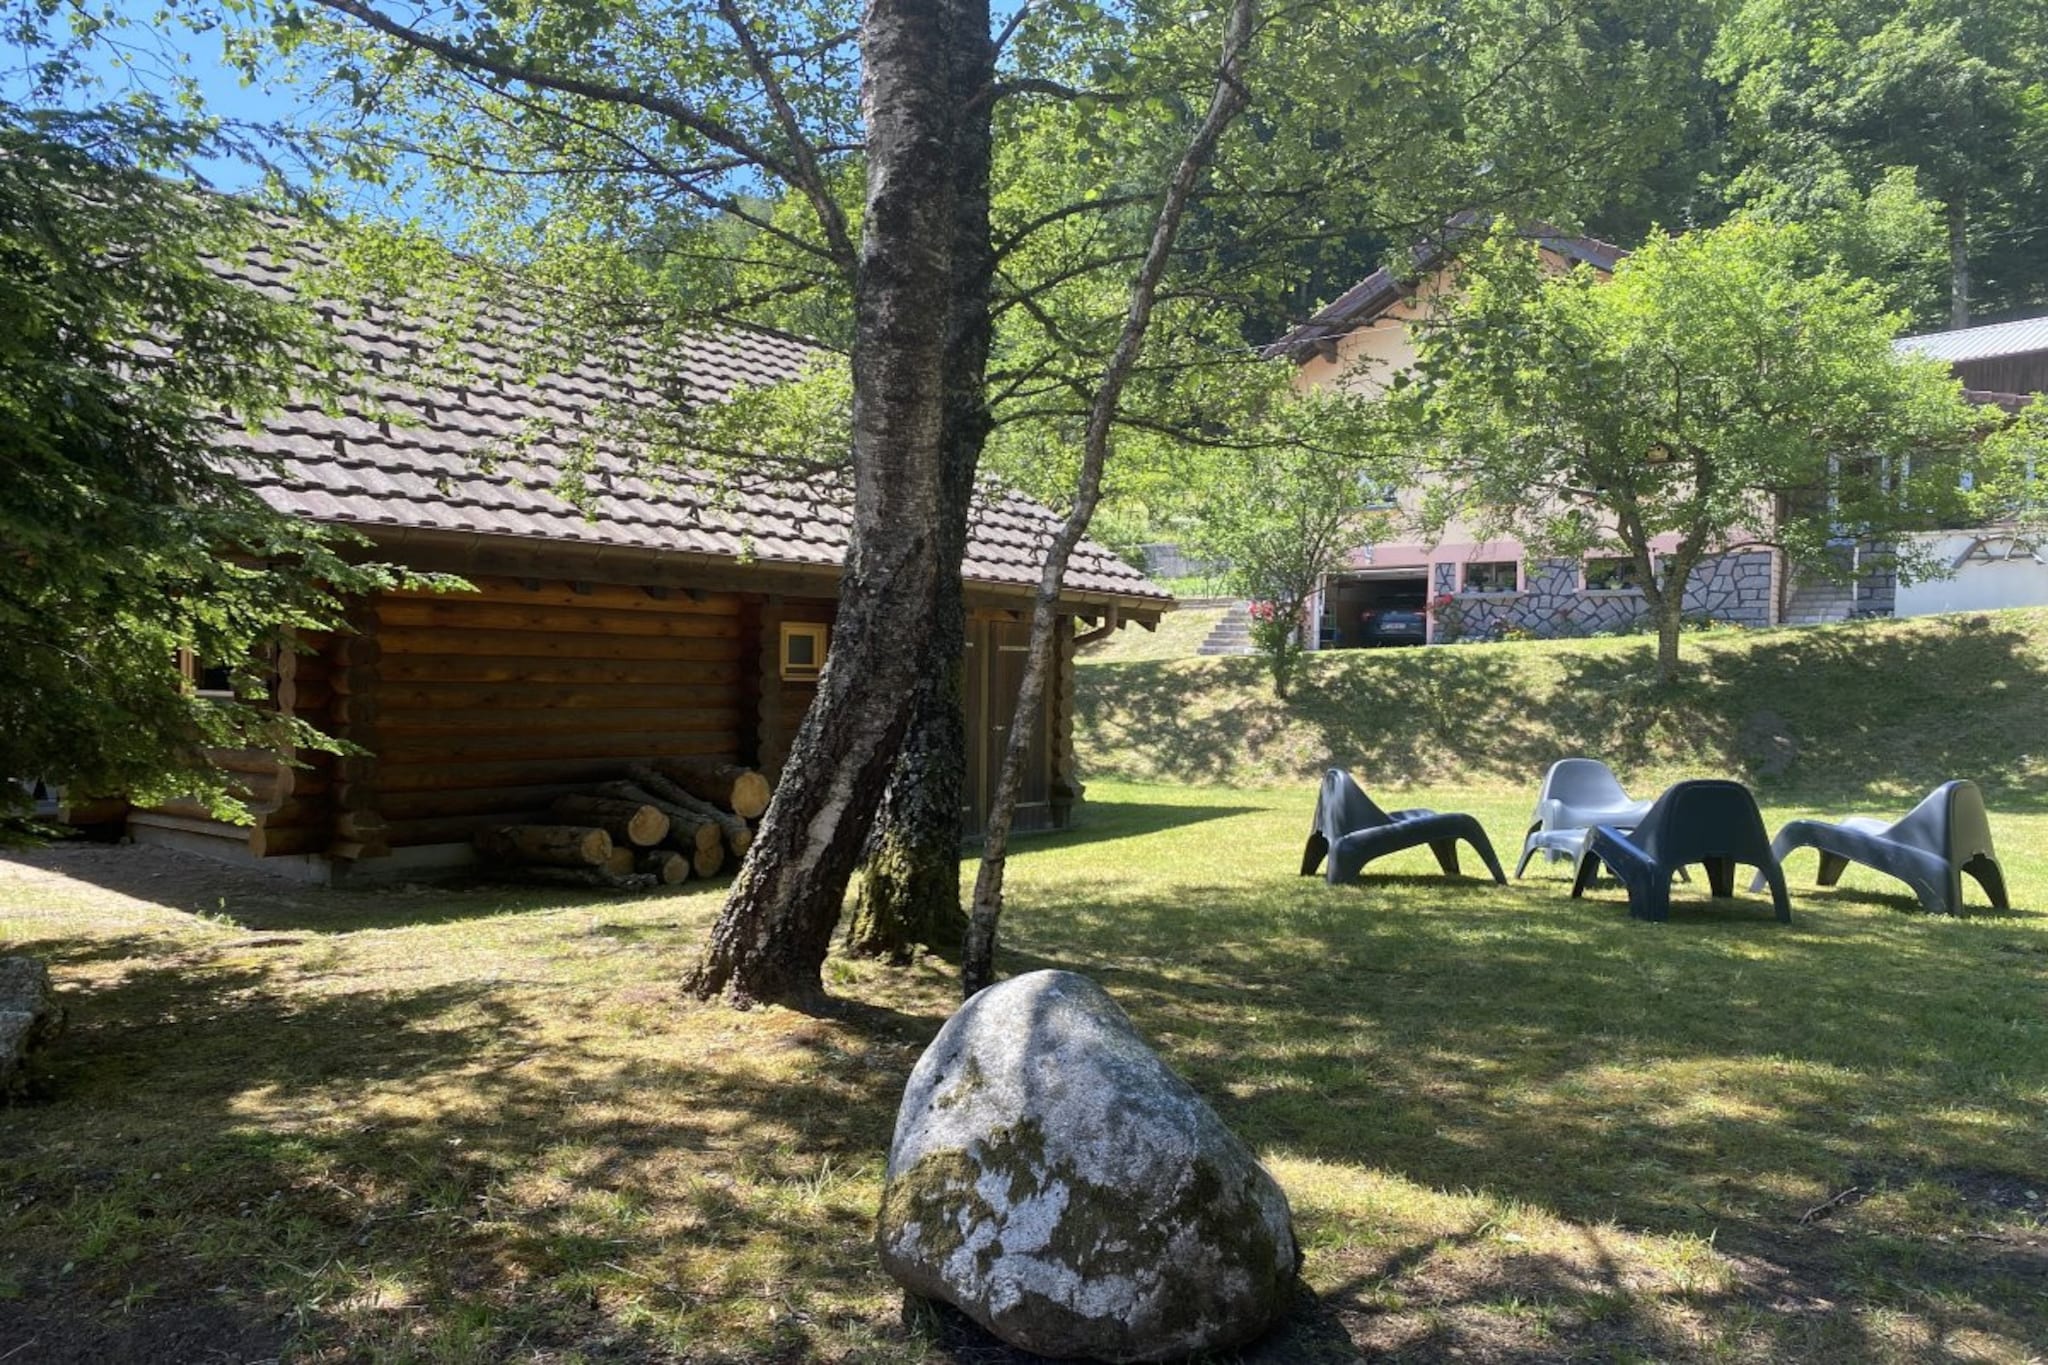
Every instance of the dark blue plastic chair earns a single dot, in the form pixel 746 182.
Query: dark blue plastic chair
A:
pixel 1352 831
pixel 1930 849
pixel 1710 822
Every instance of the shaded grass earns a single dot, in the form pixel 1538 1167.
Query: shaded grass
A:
pixel 1513 1126
pixel 1868 711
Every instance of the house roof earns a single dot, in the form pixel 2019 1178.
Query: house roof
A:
pixel 2025 337
pixel 494 453
pixel 1382 289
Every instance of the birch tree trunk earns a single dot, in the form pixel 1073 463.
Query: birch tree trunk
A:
pixel 910 892
pixel 1958 262
pixel 771 939
pixel 977 969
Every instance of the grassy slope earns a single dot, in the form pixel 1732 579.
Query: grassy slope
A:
pixel 1877 711
pixel 1177 636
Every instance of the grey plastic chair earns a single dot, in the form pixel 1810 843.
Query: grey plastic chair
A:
pixel 1939 840
pixel 1351 831
pixel 1577 794
pixel 1710 821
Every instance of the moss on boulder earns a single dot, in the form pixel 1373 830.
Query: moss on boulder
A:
pixel 1056 1182
pixel 30 1019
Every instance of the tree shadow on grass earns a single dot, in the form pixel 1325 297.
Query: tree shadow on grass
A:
pixel 1693 1079
pixel 1849 713
pixel 1105 821
pixel 265 903
pixel 226 1154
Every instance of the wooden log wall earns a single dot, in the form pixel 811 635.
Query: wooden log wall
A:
pixel 290 802
pixel 487 706
pixel 781 705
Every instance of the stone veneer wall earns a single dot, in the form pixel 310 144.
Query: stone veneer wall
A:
pixel 1735 588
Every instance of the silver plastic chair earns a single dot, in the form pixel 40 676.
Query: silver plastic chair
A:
pixel 1930 849
pixel 1577 794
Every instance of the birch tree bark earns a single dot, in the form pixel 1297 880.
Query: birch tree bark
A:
pixel 771 939
pixel 910 893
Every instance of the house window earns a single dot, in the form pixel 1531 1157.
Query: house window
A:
pixel 1610 575
pixel 1376 494
pixel 208 680
pixel 803 651
pixel 1493 575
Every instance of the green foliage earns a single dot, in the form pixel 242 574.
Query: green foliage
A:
pixel 1725 388
pixel 1289 507
pixel 125 541
pixel 1835 94
pixel 2016 457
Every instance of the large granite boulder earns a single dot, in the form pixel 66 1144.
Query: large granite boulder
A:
pixel 30 1018
pixel 1052 1179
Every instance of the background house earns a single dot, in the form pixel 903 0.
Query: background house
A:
pixel 2003 365
pixel 1364 338
pixel 661 615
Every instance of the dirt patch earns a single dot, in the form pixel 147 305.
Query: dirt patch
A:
pixel 124 879
pixel 1767 744
pixel 1998 1192
pixel 46 1332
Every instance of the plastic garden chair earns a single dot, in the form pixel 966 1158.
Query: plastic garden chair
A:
pixel 1352 831
pixel 1577 794
pixel 1939 840
pixel 1711 822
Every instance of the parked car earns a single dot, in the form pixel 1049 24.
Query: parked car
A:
pixel 1392 626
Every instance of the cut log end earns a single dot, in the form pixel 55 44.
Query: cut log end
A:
pixel 664 865
pixel 708 862
pixel 545 845
pixel 750 795
pixel 628 822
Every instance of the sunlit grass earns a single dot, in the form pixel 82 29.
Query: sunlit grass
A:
pixel 481 1125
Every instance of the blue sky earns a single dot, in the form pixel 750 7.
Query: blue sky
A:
pixel 152 59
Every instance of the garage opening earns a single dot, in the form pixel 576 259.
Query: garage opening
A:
pixel 1353 605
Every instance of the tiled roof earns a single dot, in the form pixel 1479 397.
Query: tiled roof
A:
pixel 2025 337
pixel 1382 289
pixel 492 452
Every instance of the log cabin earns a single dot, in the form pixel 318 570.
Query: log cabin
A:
pixel 653 613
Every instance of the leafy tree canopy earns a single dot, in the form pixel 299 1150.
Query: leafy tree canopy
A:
pixel 1726 387
pixel 1828 93
pixel 126 543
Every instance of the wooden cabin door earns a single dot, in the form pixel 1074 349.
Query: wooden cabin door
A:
pixel 1009 648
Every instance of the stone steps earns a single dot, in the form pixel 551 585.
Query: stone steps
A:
pixel 1819 604
pixel 1231 635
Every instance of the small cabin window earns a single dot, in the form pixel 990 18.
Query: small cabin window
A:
pixel 208 680
pixel 803 651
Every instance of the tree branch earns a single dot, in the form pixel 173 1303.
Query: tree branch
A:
pixel 713 130
pixel 811 178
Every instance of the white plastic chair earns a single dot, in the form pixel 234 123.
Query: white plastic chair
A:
pixel 1577 794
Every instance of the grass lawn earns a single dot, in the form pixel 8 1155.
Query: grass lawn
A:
pixel 1178 635
pixel 479 1125
pixel 1873 711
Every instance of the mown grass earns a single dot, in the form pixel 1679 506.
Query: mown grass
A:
pixel 475 1125
pixel 1177 636
pixel 1875 710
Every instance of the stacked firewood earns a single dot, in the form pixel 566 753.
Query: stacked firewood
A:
pixel 666 822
